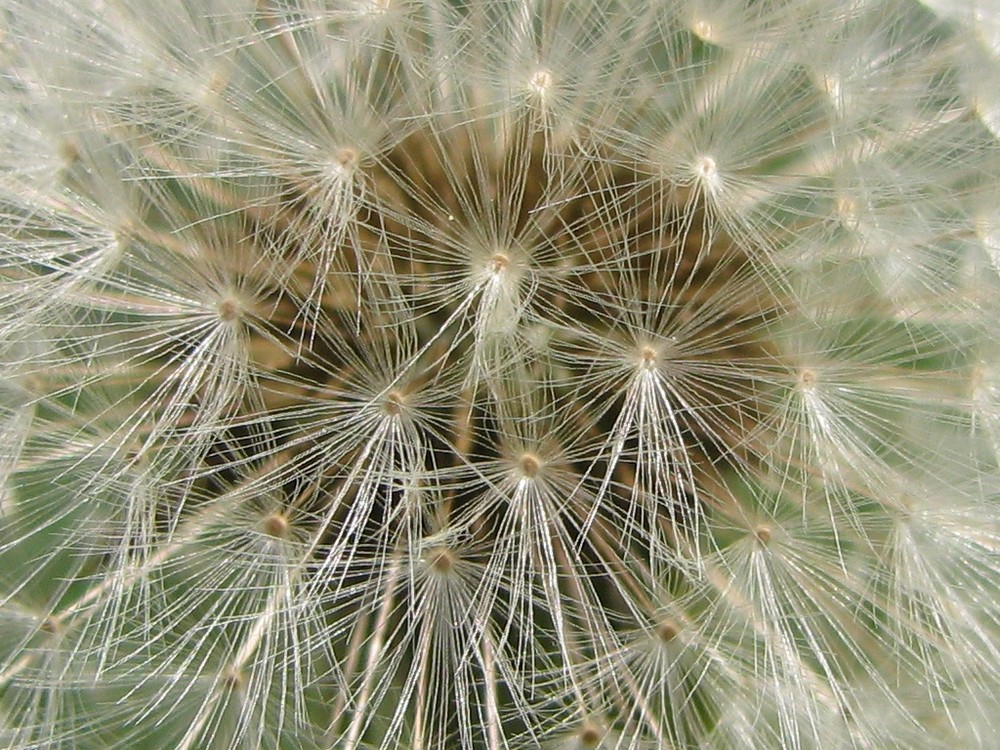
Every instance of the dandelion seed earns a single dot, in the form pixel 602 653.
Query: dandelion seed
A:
pixel 541 83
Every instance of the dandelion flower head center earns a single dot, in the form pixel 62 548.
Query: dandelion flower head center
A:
pixel 528 337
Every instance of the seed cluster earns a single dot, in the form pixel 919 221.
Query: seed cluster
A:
pixel 602 282
pixel 471 374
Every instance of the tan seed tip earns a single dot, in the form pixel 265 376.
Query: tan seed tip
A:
pixel 276 525
pixel 441 560
pixel 763 534
pixel 529 465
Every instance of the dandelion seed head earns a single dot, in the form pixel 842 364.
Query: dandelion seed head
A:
pixel 847 211
pixel 276 525
pixel 706 172
pixel 763 534
pixel 529 465
pixel 590 736
pixel 541 83
pixel 50 626
pixel 498 264
pixel 343 163
pixel 667 631
pixel 234 679
pixel 482 375
pixel 807 379
pixel 209 93
pixel 703 29
pixel 229 310
pixel 986 106
pixel 394 402
pixel 375 7
pixel 68 152
pixel 441 560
